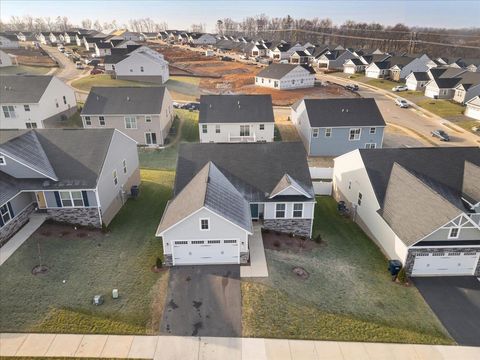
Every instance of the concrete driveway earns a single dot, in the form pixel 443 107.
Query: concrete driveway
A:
pixel 203 301
pixel 456 302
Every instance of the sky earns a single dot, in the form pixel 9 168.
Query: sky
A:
pixel 180 14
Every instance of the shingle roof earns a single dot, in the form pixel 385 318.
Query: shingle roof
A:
pixel 421 76
pixel 236 109
pixel 382 64
pixel 23 88
pixel 124 100
pixel 254 169
pixel 278 71
pixel 355 62
pixel 343 112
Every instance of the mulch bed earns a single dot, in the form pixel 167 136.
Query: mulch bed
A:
pixel 67 232
pixel 277 241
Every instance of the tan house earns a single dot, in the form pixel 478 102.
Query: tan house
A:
pixel 144 114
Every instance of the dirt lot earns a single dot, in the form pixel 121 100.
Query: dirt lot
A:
pixel 32 57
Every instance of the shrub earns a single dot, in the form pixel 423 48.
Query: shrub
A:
pixel 402 276
pixel 158 263
pixel 318 239
pixel 276 243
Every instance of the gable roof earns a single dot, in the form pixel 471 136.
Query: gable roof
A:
pixel 278 71
pixel 124 100
pixel 343 112
pixel 23 88
pixel 354 61
pixel 420 76
pixel 209 188
pixel 285 182
pixel 236 109
pixel 254 169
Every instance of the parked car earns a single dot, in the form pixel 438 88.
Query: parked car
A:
pixel 176 105
pixel 476 128
pixel 61 49
pixel 226 58
pixel 284 61
pixel 67 53
pixel 96 71
pixel 79 65
pixel 400 88
pixel 402 103
pixel 442 135
pixel 352 87
pixel 244 57
pixel 265 61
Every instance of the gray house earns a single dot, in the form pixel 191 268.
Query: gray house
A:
pixel 221 188
pixel 75 176
pixel 331 127
pixel 143 113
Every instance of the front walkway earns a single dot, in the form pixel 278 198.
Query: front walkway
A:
pixel 211 348
pixel 35 221
pixel 258 263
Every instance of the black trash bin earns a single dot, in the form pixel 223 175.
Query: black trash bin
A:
pixel 134 191
pixel 394 267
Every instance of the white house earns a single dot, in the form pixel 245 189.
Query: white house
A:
pixel 402 199
pixel 473 108
pixel 378 70
pixel 236 118
pixel 5 59
pixel 416 81
pixel 29 101
pixel 353 66
pixel 143 65
pixel 334 60
pixel 8 41
pixel 286 77
pixel 201 39
pixel 103 49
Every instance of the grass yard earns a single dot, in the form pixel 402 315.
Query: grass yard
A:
pixel 87 82
pixel 381 83
pixel 91 262
pixel 24 69
pixel 167 158
pixel 184 88
pixel 442 108
pixel 349 295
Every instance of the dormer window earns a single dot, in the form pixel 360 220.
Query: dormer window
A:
pixel 454 233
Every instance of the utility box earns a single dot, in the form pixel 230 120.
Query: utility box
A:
pixel 134 191
pixel 115 293
pixel 394 267
pixel 98 300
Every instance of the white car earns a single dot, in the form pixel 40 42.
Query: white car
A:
pixel 400 88
pixel 402 103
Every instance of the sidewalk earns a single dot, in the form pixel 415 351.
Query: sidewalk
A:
pixel 209 348
pixel 258 262
pixel 35 221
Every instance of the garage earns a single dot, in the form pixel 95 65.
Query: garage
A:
pixel 445 263
pixel 205 252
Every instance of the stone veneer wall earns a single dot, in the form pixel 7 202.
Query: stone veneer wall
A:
pixel 77 216
pixel 414 251
pixel 167 260
pixel 244 257
pixel 297 226
pixel 7 231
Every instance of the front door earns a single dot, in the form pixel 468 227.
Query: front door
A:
pixel 41 200
pixel 254 211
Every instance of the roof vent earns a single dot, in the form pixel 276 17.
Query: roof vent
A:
pixel 343 110
pixel 346 110
pixel 98 98
pixel 238 102
pixel 128 98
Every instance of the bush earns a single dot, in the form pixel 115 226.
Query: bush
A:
pixel 318 239
pixel 158 263
pixel 276 243
pixel 402 276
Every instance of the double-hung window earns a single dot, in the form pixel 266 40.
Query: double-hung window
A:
pixel 204 128
pixel 217 129
pixel 115 178
pixel 65 100
pixel 328 132
pixel 262 126
pixel 280 210
pixel 124 164
pixel 148 118
pixel 315 133
pixel 298 210
pixel 130 122
pixel 26 107
pixel 101 120
pixel 244 130
pixel 5 213
pixel 204 224
pixel 370 146
pixel 31 125
pixel 71 198
pixel 359 200
pixel 88 121
pixel 9 111
pixel 77 198
pixel 66 199
pixel 373 130
pixel 454 233
pixel 354 134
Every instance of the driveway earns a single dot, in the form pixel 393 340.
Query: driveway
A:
pixel 203 301
pixel 456 302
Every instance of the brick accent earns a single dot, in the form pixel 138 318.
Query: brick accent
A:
pixel 76 216
pixel 297 226
pixel 7 231
pixel 244 257
pixel 414 251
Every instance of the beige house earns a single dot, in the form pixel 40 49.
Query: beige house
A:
pixel 144 114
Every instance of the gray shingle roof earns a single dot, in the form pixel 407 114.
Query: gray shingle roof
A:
pixel 343 112
pixel 278 71
pixel 124 100
pixel 236 109
pixel 254 169
pixel 421 76
pixel 23 88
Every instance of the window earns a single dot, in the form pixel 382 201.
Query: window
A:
pixel 150 138
pixel 229 241
pixel 204 224
pixel 315 133
pixel 88 121
pixel 31 125
pixel 9 112
pixel 359 200
pixel 56 103
pixel 454 233
pixel 354 134
pixel 65 100
pixel 276 84
pixel 141 68
pixel 2 160
pixel 26 107
pixel 77 198
pixel 130 122
pixel 217 129
pixel 263 80
pixel 124 164
pixel 328 132
pixel 198 242
pixel 244 130
pixel 181 242
pixel 148 118
pixel 373 130
pixel 113 67
pixel 204 129
pixel 297 210
pixel 262 126
pixel 213 242
pixel 350 185
pixel 280 210
pixel 66 199
pixel 370 146
pixel 5 213
pixel 115 178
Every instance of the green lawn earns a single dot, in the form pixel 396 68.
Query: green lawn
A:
pixel 349 295
pixel 91 262
pixel 184 88
pixel 86 83
pixel 23 69
pixel 381 83
pixel 167 158
pixel 442 108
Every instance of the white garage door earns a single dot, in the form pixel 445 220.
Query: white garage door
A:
pixel 203 252
pixel 453 263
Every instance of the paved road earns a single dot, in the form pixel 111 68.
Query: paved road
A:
pixel 456 302
pixel 410 119
pixel 203 301
pixel 67 70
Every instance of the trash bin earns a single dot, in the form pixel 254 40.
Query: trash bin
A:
pixel 394 267
pixel 134 191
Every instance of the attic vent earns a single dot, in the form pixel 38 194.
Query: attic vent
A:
pixel 343 110
pixel 210 106
pixel 128 98
pixel 346 110
pixel 98 98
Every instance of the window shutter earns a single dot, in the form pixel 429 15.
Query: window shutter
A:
pixel 57 198
pixel 85 198
pixel 10 209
